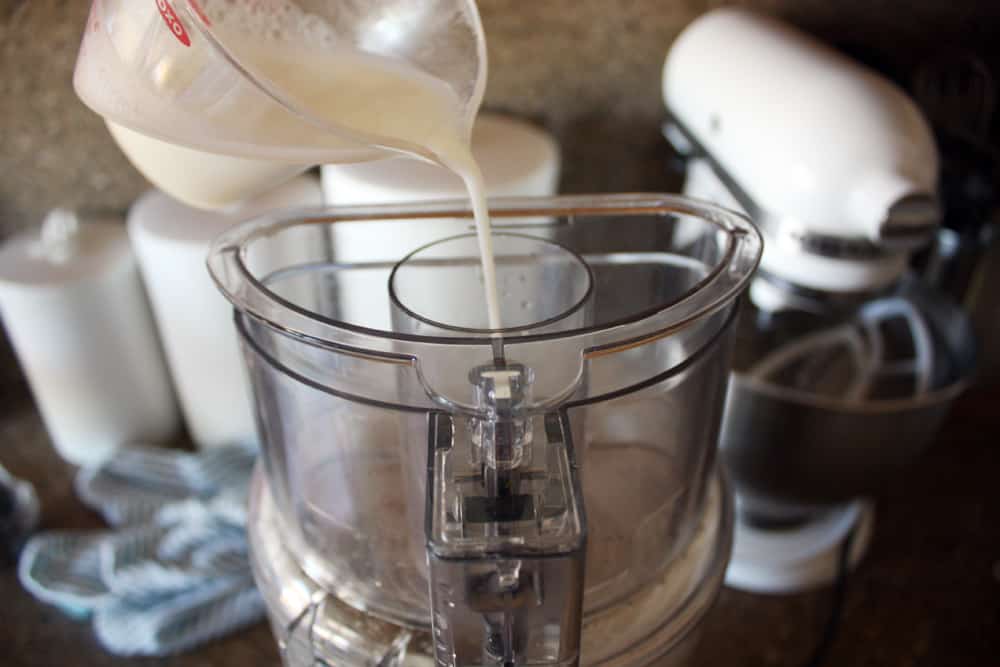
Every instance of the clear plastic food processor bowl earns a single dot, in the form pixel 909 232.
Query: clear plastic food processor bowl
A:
pixel 494 491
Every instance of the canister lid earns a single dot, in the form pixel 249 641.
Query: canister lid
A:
pixel 62 251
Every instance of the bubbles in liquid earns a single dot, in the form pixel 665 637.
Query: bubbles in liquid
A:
pixel 279 22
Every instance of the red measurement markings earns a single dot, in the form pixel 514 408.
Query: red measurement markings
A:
pixel 173 23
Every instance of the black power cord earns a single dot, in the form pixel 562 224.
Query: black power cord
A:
pixel 832 626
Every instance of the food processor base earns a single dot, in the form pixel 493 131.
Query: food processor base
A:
pixel 805 557
pixel 657 626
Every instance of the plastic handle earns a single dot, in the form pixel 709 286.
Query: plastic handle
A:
pixel 505 547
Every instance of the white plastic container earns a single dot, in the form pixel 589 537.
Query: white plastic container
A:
pixel 171 242
pixel 74 309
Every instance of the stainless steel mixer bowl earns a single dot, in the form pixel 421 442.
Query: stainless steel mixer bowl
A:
pixel 791 454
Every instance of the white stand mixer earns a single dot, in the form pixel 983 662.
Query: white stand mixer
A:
pixel 844 368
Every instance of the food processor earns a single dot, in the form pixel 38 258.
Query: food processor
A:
pixel 436 492
pixel 845 364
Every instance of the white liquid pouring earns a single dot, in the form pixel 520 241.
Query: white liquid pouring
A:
pixel 335 98
pixel 387 103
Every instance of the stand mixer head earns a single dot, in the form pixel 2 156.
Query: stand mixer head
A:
pixel 845 367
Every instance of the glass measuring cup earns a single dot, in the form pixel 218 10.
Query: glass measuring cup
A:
pixel 276 86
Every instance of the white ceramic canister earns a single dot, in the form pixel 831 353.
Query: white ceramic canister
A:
pixel 75 311
pixel 171 242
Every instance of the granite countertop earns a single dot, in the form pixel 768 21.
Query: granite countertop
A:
pixel 927 594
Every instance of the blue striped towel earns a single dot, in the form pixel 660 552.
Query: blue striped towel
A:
pixel 175 571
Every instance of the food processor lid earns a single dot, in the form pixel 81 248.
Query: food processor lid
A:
pixel 691 313
pixel 231 269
